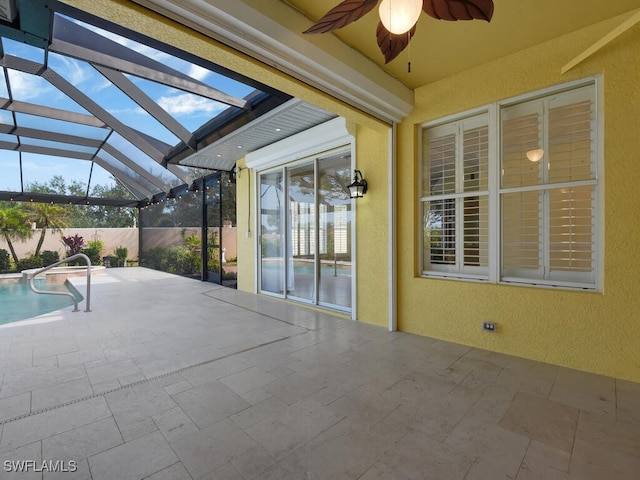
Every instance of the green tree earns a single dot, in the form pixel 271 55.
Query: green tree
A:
pixel 47 216
pixel 14 225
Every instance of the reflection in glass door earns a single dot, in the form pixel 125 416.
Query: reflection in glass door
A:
pixel 315 207
pixel 301 265
pixel 334 225
pixel 272 203
pixel 213 239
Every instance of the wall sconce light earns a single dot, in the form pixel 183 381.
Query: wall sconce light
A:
pixel 359 186
pixel 535 155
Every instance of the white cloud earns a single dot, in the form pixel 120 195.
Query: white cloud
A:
pixel 27 87
pixel 187 104
pixel 198 72
pixel 72 70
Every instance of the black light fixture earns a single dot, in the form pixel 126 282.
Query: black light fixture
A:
pixel 359 186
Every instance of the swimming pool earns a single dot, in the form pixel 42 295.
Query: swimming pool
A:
pixel 18 302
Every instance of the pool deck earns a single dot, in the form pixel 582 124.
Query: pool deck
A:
pixel 171 379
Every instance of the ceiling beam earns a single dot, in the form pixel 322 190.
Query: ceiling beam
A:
pixel 608 38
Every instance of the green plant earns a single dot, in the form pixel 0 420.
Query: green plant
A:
pixel 121 254
pixel 5 261
pixel 93 251
pixel 49 257
pixel 34 261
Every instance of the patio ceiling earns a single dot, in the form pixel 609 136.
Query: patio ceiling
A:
pixel 93 104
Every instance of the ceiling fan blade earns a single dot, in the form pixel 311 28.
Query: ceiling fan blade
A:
pixel 459 9
pixel 341 15
pixel 391 45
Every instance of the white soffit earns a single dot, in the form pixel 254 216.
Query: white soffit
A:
pixel 282 122
pixel 238 25
pixel 332 134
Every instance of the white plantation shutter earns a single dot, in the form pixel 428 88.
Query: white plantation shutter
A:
pixel 548 207
pixel 455 197
pixel 541 217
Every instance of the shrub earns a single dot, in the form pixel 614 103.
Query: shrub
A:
pixel 121 254
pixel 178 259
pixel 49 257
pixel 93 251
pixel 5 261
pixel 34 261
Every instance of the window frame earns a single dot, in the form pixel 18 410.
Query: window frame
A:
pixel 496 191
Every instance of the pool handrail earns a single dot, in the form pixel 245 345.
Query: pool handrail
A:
pixel 68 294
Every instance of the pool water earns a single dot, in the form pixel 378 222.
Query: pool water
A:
pixel 18 302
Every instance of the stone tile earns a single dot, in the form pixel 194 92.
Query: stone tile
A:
pixel 586 391
pixel 47 424
pixel 23 463
pixel 345 450
pixel 611 434
pixel 82 442
pixel 417 457
pixel 174 424
pixel 174 472
pixel 281 434
pixel 110 371
pixel 247 380
pixel 212 447
pixel 548 422
pixel 591 461
pixel 256 396
pixel 543 462
pixel 60 393
pixel 17 405
pixel 139 402
pixel 498 452
pixel 628 402
pixel 295 387
pixel 259 412
pixel 137 429
pixel 80 357
pixel 210 372
pixel 178 387
pixel 224 472
pixel 252 462
pixel 140 458
pixel 70 471
pixel 436 416
pixel 20 381
pixel 210 403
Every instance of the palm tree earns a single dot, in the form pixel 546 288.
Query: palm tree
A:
pixel 46 216
pixel 14 225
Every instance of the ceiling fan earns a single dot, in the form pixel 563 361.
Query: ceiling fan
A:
pixel 398 18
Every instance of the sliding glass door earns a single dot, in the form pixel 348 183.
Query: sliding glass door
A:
pixel 272 203
pixel 312 256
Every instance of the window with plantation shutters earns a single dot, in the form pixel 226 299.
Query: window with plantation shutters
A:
pixel 512 195
pixel 548 206
pixel 455 197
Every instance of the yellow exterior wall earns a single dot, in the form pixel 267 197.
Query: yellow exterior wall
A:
pixel 597 332
pixel 371 151
pixel 372 231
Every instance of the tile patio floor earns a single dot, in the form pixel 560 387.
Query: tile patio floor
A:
pixel 172 379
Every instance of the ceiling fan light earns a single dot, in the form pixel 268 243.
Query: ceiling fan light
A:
pixel 399 16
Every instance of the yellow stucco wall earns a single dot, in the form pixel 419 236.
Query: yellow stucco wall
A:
pixel 597 332
pixel 371 151
pixel 372 232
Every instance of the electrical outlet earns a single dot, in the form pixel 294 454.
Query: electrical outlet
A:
pixel 489 326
